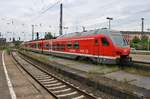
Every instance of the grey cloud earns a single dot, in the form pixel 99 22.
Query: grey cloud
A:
pixel 90 13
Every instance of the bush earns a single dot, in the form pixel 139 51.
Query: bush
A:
pixel 140 44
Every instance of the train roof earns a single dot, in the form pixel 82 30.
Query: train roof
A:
pixel 89 33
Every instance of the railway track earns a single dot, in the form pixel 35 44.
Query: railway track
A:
pixel 56 86
pixel 140 62
pixel 141 65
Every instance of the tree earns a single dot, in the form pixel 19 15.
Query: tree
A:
pixel 141 44
pixel 49 35
pixel 144 42
pixel 135 40
pixel 144 39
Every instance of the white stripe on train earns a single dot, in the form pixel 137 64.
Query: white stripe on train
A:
pixel 87 55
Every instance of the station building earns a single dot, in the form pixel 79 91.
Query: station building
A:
pixel 129 35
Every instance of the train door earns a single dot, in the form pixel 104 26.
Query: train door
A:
pixel 105 47
pixel 96 47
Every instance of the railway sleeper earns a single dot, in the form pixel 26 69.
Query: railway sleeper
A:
pixel 57 87
pixel 63 90
pixel 52 85
pixel 50 82
pixel 68 95
pixel 46 80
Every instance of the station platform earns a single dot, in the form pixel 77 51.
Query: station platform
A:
pixel 111 72
pixel 140 58
pixel 18 84
pixel 4 90
pixel 115 76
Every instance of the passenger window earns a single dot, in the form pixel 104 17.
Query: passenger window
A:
pixel 57 46
pixel 69 45
pixel 76 45
pixel 39 45
pixel 62 47
pixel 47 46
pixel 104 42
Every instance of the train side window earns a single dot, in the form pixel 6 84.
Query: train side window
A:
pixel 104 42
pixel 35 45
pixel 57 46
pixel 76 45
pixel 62 47
pixel 47 46
pixel 96 41
pixel 69 45
pixel 39 45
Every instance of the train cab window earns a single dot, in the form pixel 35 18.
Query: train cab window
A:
pixel 104 42
pixel 76 45
pixel 69 45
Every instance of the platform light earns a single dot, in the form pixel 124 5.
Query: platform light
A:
pixel 109 18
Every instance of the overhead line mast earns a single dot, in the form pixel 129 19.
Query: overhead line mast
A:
pixel 61 20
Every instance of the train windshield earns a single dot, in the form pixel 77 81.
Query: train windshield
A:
pixel 119 40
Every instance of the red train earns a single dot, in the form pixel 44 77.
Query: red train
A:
pixel 100 45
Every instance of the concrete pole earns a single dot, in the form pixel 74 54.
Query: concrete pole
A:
pixel 61 20
pixel 142 27
pixel 32 32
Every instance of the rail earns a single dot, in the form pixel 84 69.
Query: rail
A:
pixel 56 86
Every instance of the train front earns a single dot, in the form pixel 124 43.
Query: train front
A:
pixel 122 49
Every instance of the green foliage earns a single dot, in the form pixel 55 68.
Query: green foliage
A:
pixel 17 44
pixel 144 39
pixel 49 35
pixel 135 40
pixel 141 44
pixel 8 50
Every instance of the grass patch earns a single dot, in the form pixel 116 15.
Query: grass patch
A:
pixel 8 50
pixel 103 69
pixel 35 56
pixel 96 69
pixel 136 71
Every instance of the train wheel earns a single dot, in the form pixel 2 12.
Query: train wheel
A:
pixel 125 61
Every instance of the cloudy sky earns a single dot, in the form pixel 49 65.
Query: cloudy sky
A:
pixel 17 16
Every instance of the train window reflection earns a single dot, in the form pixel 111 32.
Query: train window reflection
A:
pixel 69 45
pixel 118 40
pixel 76 45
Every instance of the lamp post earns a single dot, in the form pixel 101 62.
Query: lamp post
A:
pixel 109 18
pixel 148 45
